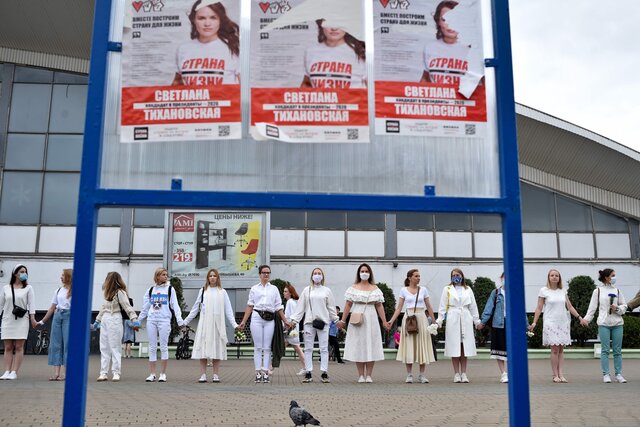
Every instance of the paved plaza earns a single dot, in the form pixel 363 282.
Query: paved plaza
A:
pixel 237 401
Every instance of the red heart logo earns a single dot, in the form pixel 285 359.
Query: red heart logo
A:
pixel 137 5
pixel 265 6
pixel 384 3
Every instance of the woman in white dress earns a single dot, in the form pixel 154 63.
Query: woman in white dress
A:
pixel 213 305
pixel 459 310
pixel 291 297
pixel 363 344
pixel 554 301
pixel 414 348
pixel 15 328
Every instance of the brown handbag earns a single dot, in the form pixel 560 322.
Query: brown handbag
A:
pixel 411 324
pixel 356 319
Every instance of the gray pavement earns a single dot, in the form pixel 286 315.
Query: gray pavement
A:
pixel 237 401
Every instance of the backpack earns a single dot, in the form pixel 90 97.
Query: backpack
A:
pixel 173 314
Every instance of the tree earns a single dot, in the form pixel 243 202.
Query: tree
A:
pixel 389 306
pixel 482 289
pixel 579 292
pixel 176 283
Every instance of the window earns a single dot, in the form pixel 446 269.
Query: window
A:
pixel 20 201
pixel 573 216
pixel 325 220
pixel 67 108
pixel 29 108
pixel 287 219
pixel 60 198
pixel 453 222
pixel 487 223
pixel 32 75
pixel 149 217
pixel 110 216
pixel 414 221
pixel 24 151
pixel 365 221
pixel 604 221
pixel 68 78
pixel 64 152
pixel 538 209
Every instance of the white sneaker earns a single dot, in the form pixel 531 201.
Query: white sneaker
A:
pixel 102 377
pixel 409 379
pixel 115 377
pixel 606 378
pixel 369 379
pixel 12 375
pixel 215 379
pixel 162 378
pixel 457 378
pixel 423 379
pixel 203 378
pixel 151 378
pixel 301 372
pixel 5 375
pixel 504 378
pixel 463 378
pixel 361 379
pixel 620 379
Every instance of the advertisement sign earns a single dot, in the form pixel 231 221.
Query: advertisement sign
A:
pixel 429 68
pixel 180 70
pixel 234 243
pixel 308 71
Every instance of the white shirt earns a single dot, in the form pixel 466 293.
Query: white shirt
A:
pixel 445 62
pixel 410 299
pixel 604 317
pixel 206 64
pixel 334 67
pixel 290 308
pixel 214 294
pixel 316 302
pixel 265 298
pixel 157 307
pixel 60 299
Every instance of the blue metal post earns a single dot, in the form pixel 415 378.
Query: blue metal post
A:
pixel 519 411
pixel 75 391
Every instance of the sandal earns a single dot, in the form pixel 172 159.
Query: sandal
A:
pixel 556 379
pixel 563 380
pixel 56 378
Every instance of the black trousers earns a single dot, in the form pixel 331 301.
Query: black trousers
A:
pixel 333 342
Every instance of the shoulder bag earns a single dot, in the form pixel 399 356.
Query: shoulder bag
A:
pixel 317 323
pixel 411 324
pixel 17 311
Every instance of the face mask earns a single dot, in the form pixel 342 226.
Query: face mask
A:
pixel 317 278
pixel 364 276
pixel 456 280
pixel 23 277
pixel 612 281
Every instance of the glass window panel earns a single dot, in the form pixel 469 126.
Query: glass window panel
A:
pixel 605 221
pixel 60 77
pixel 325 220
pixel 365 221
pixel 110 216
pixel 572 215
pixel 454 222
pixel 29 108
pixel 24 151
pixel 287 219
pixel 60 200
pixel 538 209
pixel 487 223
pixel 67 108
pixel 20 201
pixel 64 152
pixel 414 221
pixel 149 217
pixel 32 75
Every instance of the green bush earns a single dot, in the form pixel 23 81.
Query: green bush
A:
pixel 580 291
pixel 536 340
pixel 389 306
pixel 177 287
pixel 279 283
pixel 631 334
pixel 482 289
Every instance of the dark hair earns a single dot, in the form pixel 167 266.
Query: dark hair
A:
pixel 603 274
pixel 292 291
pixel 450 4
pixel 228 31
pixel 457 270
pixel 364 264
pixel 409 274
pixel 355 44
pixel 262 267
pixel 13 275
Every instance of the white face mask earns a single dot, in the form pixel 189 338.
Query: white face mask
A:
pixel 317 278
pixel 612 280
pixel 364 276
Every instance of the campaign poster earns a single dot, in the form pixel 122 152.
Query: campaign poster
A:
pixel 308 71
pixel 429 68
pixel 180 70
pixel 234 243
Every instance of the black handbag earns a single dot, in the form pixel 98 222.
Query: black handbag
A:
pixel 317 323
pixel 266 315
pixel 17 311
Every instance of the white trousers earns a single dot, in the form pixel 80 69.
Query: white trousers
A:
pixel 262 333
pixel 323 341
pixel 110 343
pixel 158 329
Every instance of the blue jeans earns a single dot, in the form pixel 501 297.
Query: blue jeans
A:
pixel 59 338
pixel 613 334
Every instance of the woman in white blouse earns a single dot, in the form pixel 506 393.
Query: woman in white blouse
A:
pixel 318 307
pixel 18 293
pixel 291 297
pixel 459 310
pixel 414 348
pixel 263 305
pixel 363 345
pixel 213 304
pixel 60 310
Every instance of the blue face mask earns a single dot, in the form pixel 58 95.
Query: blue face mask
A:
pixel 23 277
pixel 456 280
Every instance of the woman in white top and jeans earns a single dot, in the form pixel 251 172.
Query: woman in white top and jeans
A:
pixel 610 303
pixel 318 307
pixel 263 305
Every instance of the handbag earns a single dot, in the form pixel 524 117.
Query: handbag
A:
pixel 17 311
pixel 356 319
pixel 123 313
pixel 411 324
pixel 317 323
pixel 266 315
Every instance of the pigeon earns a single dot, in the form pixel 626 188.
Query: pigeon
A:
pixel 300 417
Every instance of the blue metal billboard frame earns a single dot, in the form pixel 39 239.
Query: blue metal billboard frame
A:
pixel 92 197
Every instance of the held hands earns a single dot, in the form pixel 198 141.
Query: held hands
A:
pixel 480 326
pixel 95 326
pixel 584 322
pixel 532 327
pixel 387 325
pixel 136 323
pixel 34 324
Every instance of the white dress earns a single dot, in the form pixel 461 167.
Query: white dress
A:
pixel 211 335
pixel 460 312
pixel 12 328
pixel 556 325
pixel 364 342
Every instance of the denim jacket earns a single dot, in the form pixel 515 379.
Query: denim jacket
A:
pixel 498 315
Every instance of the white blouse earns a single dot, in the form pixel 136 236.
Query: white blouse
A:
pixel 265 298
pixel 61 300
pixel 410 299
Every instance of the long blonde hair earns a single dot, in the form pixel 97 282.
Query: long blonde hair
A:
pixel 112 284
pixel 67 279
pixel 559 277
pixel 218 283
